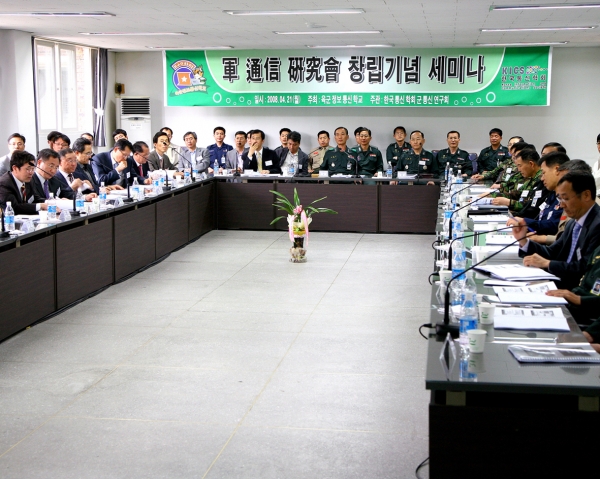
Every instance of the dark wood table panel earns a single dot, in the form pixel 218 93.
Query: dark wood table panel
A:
pixel 356 206
pixel 135 240
pixel 202 210
pixel 408 209
pixel 245 205
pixel 84 261
pixel 171 224
pixel 28 290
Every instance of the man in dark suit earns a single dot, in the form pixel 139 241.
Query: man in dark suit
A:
pixel 84 172
pixel 137 164
pixel 293 155
pixel 568 256
pixel 109 166
pixel 158 159
pixel 15 185
pixel 44 182
pixel 65 174
pixel 259 158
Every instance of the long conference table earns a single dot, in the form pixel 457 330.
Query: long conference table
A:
pixel 51 268
pixel 491 416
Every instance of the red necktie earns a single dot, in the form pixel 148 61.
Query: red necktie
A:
pixel 23 193
pixel 141 171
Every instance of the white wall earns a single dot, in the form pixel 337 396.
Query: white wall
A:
pixel 17 103
pixel 573 118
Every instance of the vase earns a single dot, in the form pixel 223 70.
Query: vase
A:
pixel 298 251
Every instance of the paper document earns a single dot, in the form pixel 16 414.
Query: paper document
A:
pixel 555 354
pixel 490 219
pixel 532 294
pixel 548 319
pixel 516 272
pixel 501 282
pixel 500 240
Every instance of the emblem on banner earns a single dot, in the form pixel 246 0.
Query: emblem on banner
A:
pixel 188 77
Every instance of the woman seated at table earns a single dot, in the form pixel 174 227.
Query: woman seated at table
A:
pixel 584 300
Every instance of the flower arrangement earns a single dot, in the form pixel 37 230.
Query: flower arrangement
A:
pixel 298 220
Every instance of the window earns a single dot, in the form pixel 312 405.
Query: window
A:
pixel 64 88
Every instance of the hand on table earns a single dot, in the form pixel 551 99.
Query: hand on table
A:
pixel 537 261
pixel 500 201
pixel 565 293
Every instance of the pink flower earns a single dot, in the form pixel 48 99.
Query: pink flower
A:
pixel 298 209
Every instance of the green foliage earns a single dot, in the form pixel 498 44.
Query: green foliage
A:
pixel 283 204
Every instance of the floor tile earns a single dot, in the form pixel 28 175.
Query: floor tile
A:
pixel 73 448
pixel 246 321
pixel 306 453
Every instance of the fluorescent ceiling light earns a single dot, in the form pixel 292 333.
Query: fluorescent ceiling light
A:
pixel 329 11
pixel 518 44
pixel 347 32
pixel 383 45
pixel 131 33
pixel 545 6
pixel 220 47
pixel 58 14
pixel 536 29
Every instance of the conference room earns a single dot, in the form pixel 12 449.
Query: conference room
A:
pixel 173 329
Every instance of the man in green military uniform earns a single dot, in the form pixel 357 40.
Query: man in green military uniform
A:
pixel 531 193
pixel 584 300
pixel 497 173
pixel 398 148
pixel 493 155
pixel 456 158
pixel 417 161
pixel 338 160
pixel 368 158
pixel 315 157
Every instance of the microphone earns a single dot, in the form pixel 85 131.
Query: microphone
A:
pixel 189 161
pixel 463 189
pixel 446 327
pixel 475 233
pixel 3 233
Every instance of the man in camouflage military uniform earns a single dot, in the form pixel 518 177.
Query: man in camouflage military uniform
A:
pixel 456 158
pixel 493 155
pixel 497 173
pixel 315 157
pixel 398 148
pixel 368 158
pixel 527 198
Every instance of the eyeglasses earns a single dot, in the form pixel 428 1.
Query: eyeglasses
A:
pixel 364 136
pixel 49 167
pixel 87 154
pixel 145 157
pixel 70 161
pixel 19 144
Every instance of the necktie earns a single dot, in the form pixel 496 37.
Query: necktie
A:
pixel 259 160
pixel 23 193
pixel 46 192
pixel 88 174
pixel 141 170
pixel 575 238
pixel 71 178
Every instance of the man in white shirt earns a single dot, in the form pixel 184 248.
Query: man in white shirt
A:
pixel 70 184
pixel 16 142
pixel 191 155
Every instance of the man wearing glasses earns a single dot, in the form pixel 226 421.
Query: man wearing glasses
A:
pixel 16 141
pixel 70 184
pixel 15 185
pixel 43 182
pixel 138 164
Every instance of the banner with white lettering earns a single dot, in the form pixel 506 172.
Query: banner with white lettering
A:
pixel 468 77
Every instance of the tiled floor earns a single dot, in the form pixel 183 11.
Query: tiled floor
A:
pixel 227 361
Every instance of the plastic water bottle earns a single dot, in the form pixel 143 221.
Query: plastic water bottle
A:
pixel 195 170
pixel 102 197
pixel 135 189
pixel 292 169
pixel 388 172
pixel 162 183
pixel 186 177
pixel 216 168
pixel 459 260
pixel 458 180
pixel 157 187
pixel 79 201
pixel 9 217
pixel 447 215
pixel 51 207
pixel 467 321
pixel 447 171
pixel 470 289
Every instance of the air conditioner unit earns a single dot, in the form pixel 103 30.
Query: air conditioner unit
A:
pixel 133 116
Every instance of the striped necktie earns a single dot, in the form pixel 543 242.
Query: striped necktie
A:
pixel 46 191
pixel 23 193
pixel 575 238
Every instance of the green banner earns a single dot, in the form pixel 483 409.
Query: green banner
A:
pixel 467 77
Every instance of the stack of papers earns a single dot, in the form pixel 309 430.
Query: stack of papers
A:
pixel 549 319
pixel 490 219
pixel 516 272
pixel 532 294
pixel 555 354
pixel 510 254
